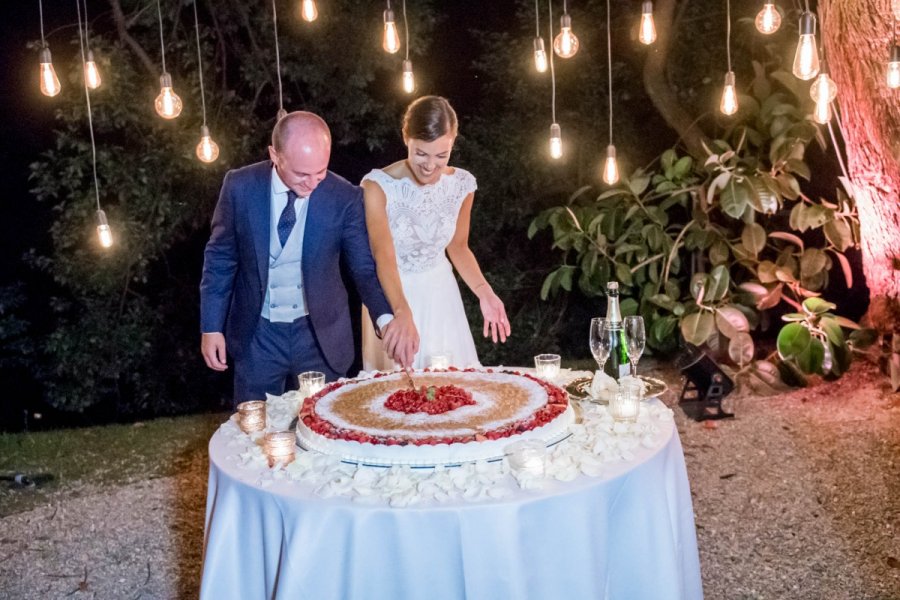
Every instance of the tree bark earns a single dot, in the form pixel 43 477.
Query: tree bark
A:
pixel 122 28
pixel 657 85
pixel 857 39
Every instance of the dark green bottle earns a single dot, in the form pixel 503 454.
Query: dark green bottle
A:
pixel 617 365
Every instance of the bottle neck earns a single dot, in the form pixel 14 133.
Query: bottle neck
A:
pixel 613 314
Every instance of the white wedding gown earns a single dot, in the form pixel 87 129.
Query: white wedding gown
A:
pixel 422 219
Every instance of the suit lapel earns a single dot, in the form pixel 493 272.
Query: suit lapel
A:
pixel 317 217
pixel 260 211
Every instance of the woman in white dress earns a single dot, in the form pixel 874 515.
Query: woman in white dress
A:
pixel 417 214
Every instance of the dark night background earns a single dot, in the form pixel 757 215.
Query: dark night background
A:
pixel 447 69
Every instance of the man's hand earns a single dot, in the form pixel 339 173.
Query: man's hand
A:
pixel 212 347
pixel 401 339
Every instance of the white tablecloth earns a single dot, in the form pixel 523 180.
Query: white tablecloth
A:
pixel 627 534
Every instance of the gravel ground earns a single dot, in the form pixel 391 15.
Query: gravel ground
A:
pixel 797 497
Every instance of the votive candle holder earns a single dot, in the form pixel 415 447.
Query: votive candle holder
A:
pixel 625 405
pixel 311 382
pixel 527 457
pixel 546 366
pixel 252 415
pixel 439 360
pixel 279 447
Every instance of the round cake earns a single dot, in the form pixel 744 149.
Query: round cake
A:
pixel 455 416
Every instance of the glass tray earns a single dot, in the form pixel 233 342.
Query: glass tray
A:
pixel 580 389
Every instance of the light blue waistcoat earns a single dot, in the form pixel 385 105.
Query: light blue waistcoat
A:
pixel 285 297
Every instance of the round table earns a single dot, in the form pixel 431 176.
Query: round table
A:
pixel 627 533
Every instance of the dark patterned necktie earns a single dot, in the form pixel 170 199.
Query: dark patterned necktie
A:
pixel 288 219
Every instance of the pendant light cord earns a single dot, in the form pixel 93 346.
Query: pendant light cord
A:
pixel 277 57
pixel 162 44
pixel 552 70
pixel 609 69
pixel 537 20
pixel 406 27
pixel 199 63
pixel 87 96
pixel 728 32
pixel 41 13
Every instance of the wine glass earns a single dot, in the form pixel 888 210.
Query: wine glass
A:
pixel 601 340
pixel 634 339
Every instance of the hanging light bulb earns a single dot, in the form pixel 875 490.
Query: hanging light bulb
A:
pixel 647 33
pixel 610 166
pixel 806 59
pixel 168 104
pixel 409 82
pixel 823 91
pixel 207 149
pixel 729 103
pixel 768 20
pixel 555 141
pixel 103 230
pixel 91 73
pixel 540 55
pixel 893 68
pixel 49 81
pixel 391 41
pixel 308 10
pixel 566 44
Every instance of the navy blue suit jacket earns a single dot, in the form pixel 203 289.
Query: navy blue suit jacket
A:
pixel 236 270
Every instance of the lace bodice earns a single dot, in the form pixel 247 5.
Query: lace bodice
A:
pixel 423 218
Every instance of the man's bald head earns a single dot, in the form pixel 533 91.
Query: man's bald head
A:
pixel 300 150
pixel 309 127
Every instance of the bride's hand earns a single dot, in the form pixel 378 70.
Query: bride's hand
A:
pixel 496 323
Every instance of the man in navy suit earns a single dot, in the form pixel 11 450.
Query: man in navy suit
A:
pixel 271 292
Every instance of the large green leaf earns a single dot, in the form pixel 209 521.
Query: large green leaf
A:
pixel 793 339
pixel 754 238
pixel 697 327
pixel 741 349
pixel 735 197
pixel 720 279
pixel 731 321
pixel 811 359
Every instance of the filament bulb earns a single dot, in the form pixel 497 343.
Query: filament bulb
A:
pixel 391 42
pixel 540 55
pixel 768 20
pixel 729 103
pixel 555 141
pixel 49 81
pixel 893 68
pixel 103 230
pixel 823 91
pixel 91 73
pixel 207 149
pixel 610 166
pixel 308 11
pixel 409 82
pixel 647 33
pixel 168 104
pixel 806 59
pixel 565 44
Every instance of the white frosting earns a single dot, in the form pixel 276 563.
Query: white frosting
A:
pixel 411 454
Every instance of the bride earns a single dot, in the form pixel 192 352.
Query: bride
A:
pixel 417 214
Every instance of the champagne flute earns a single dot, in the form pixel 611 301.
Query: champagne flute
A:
pixel 635 339
pixel 600 341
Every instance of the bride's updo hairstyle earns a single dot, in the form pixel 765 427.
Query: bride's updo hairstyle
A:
pixel 429 118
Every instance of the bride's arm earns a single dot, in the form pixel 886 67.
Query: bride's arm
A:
pixel 496 323
pixel 401 340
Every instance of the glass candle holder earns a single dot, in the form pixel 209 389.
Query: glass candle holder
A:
pixel 279 447
pixel 626 404
pixel 440 360
pixel 311 382
pixel 527 457
pixel 546 366
pixel 252 415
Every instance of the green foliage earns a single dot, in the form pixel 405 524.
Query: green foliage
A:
pixel 705 247
pixel 124 320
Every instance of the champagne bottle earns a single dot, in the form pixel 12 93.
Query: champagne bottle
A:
pixel 617 364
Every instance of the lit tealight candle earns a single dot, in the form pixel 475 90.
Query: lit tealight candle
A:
pixel 279 447
pixel 526 457
pixel 547 366
pixel 252 415
pixel 311 382
pixel 625 405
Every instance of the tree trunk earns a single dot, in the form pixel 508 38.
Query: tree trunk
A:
pixel 857 39
pixel 664 98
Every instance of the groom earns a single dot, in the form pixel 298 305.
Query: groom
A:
pixel 271 292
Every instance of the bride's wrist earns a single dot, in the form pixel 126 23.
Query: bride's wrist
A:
pixel 482 289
